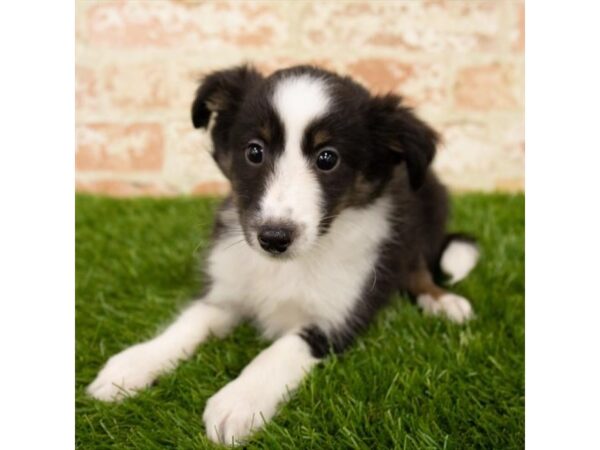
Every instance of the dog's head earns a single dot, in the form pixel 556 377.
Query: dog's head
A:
pixel 302 145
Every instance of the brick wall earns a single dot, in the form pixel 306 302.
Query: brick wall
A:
pixel 460 63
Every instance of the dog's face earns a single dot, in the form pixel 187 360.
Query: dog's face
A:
pixel 302 145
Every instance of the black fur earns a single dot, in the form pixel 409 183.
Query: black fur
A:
pixel 397 127
pixel 317 340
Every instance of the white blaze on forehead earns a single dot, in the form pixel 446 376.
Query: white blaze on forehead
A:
pixel 293 192
pixel 298 101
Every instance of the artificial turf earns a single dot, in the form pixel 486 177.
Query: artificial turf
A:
pixel 410 382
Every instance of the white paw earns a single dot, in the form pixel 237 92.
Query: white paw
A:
pixel 238 409
pixel 454 307
pixel 127 372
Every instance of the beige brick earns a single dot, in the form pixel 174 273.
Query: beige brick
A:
pixel 381 74
pixel 212 188
pixel 421 84
pixel 178 24
pixel 114 147
pixel 138 65
pixel 510 184
pixel 456 26
pixel 86 87
pixel 517 26
pixel 120 188
pixel 123 86
pixel 189 161
pixel 482 152
pixel 143 85
pixel 487 87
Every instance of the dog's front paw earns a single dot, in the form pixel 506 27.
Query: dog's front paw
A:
pixel 454 307
pixel 127 372
pixel 238 409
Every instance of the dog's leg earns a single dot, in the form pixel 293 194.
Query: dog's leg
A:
pixel 251 400
pixel 138 366
pixel 434 300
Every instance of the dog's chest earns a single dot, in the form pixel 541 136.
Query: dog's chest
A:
pixel 321 287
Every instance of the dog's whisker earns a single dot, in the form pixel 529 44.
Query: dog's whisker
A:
pixel 234 244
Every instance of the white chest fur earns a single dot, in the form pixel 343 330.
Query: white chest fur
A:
pixel 320 287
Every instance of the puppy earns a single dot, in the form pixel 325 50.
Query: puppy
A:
pixel 333 209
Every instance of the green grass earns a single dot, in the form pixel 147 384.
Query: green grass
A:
pixel 410 382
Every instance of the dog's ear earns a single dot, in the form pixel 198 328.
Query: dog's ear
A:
pixel 222 92
pixel 398 130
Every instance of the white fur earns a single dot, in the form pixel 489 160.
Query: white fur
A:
pixel 293 193
pixel 138 366
pixel 318 287
pixel 250 400
pixel 459 259
pixel 454 307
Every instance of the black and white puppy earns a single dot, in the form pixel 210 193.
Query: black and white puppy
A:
pixel 333 209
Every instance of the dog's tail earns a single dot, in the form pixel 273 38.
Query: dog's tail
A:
pixel 458 257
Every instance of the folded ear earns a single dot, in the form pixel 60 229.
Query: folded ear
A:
pixel 222 92
pixel 397 129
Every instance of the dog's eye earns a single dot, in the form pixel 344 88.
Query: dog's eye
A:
pixel 254 152
pixel 327 159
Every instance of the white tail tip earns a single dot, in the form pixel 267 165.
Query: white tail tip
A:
pixel 458 259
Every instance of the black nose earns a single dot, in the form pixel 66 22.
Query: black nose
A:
pixel 275 239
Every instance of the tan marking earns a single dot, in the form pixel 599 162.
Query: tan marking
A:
pixel 217 102
pixel 421 282
pixel 265 132
pixel 321 137
pixel 395 147
pixel 362 188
